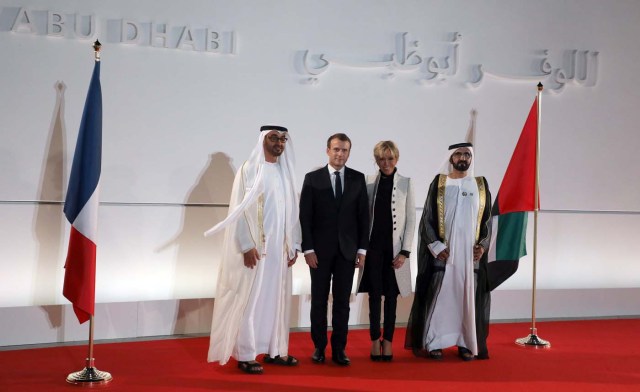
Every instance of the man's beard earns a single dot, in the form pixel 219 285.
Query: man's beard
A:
pixel 276 152
pixel 462 166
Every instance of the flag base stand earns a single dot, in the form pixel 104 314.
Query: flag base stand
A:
pixel 533 340
pixel 89 376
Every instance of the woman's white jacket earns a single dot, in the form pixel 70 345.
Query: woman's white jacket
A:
pixel 403 214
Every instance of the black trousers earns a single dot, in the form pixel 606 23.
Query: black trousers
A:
pixel 380 280
pixel 340 270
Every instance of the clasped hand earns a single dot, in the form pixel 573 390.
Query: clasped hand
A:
pixel 478 251
pixel 312 260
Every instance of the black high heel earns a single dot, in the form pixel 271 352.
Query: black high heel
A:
pixel 383 357
pixel 377 358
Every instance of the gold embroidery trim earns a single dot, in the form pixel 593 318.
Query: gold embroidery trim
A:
pixel 442 180
pixel 482 193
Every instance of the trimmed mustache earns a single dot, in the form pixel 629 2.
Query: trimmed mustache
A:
pixel 462 165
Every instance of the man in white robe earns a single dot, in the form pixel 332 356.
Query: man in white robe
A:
pixel 451 304
pixel 262 238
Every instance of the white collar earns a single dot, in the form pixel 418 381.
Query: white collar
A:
pixel 333 170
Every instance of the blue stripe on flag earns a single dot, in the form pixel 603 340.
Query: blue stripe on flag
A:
pixel 85 171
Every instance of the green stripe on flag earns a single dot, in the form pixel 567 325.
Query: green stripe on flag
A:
pixel 511 240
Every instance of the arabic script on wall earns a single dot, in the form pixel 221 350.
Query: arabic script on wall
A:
pixel 579 67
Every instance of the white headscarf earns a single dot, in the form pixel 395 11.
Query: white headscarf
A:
pixel 255 164
pixel 446 167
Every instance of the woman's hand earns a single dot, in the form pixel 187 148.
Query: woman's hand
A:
pixel 399 261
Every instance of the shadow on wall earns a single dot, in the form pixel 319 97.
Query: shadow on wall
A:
pixel 193 316
pixel 213 186
pixel 48 220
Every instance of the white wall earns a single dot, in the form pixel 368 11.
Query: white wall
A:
pixel 178 123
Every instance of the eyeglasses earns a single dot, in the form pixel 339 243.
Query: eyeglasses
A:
pixel 275 139
pixel 458 155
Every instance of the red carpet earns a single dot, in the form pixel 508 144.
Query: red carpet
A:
pixel 602 355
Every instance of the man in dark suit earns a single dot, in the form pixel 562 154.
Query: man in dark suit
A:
pixel 334 217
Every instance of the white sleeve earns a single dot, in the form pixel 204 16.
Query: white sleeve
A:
pixel 436 247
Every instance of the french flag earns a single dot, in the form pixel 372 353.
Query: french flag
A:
pixel 81 205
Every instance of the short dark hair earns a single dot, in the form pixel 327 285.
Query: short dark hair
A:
pixel 340 136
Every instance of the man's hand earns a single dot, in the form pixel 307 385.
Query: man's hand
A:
pixel 312 260
pixel 251 258
pixel 360 261
pixel 398 261
pixel 293 261
pixel 444 255
pixel 478 251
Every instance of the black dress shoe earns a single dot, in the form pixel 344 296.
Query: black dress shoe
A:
pixel 318 355
pixel 341 358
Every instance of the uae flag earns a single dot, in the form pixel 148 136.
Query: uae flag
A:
pixel 515 198
pixel 81 205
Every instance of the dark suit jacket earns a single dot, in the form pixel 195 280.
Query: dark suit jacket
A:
pixel 328 228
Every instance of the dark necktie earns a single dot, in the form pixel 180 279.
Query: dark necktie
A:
pixel 338 187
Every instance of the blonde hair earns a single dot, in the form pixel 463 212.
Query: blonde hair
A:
pixel 387 145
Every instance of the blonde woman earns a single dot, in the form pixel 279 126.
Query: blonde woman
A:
pixel 392 224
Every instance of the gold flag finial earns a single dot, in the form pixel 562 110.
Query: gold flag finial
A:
pixel 96 47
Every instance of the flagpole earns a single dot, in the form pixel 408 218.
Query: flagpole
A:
pixel 90 376
pixel 533 340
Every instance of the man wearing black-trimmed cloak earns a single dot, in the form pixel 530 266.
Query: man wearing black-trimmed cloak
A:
pixel 452 297
pixel 262 238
